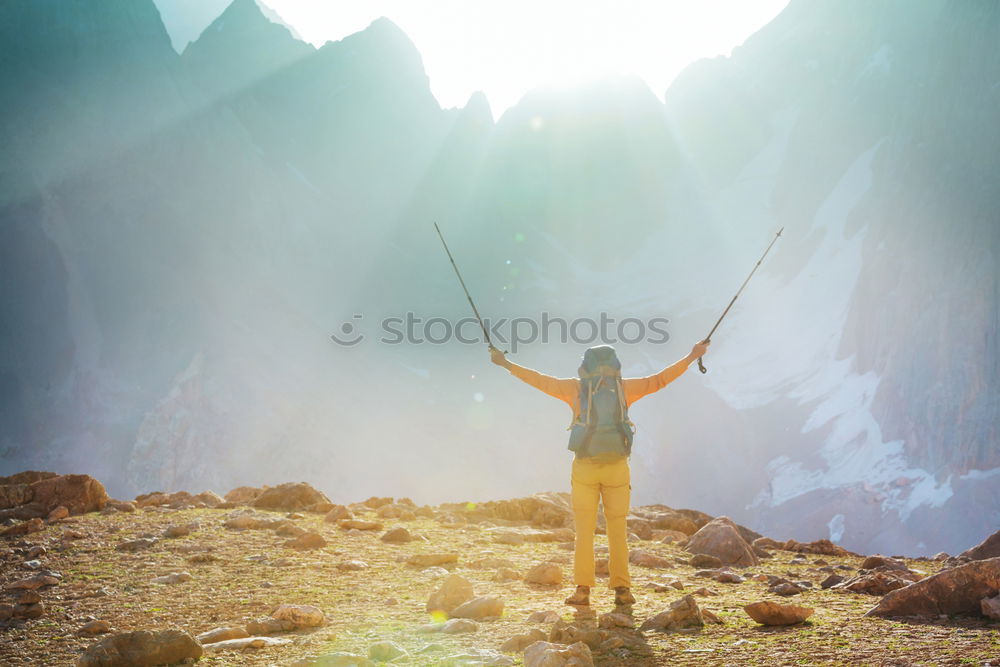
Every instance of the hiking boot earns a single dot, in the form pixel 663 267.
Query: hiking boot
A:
pixel 581 597
pixel 623 596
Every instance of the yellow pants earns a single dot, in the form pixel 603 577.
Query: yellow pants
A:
pixel 610 483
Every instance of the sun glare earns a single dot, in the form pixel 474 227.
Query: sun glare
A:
pixel 505 49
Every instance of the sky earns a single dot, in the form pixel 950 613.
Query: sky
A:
pixel 507 48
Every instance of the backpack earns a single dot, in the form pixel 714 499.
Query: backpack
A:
pixel 602 429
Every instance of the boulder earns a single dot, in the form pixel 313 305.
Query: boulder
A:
pixel 143 648
pixel 820 547
pixel 990 607
pixel 243 495
pixel 268 625
pixel 385 651
pixel 24 528
pixel 988 548
pixel 358 524
pixel 300 615
pixel 518 643
pixel 430 560
pixel 683 613
pixel 95 627
pixel 883 562
pixel 873 583
pixel 956 591
pixel 773 613
pixel 453 592
pixel 308 540
pixel 547 510
pixel 338 513
pixel 58 514
pixel 221 635
pixel 544 574
pixel 26 477
pixel 546 654
pixel 78 493
pixel 13 495
pixel 289 497
pixel 704 561
pixel 647 559
pixel 720 538
pixel 481 607
pixel 245 643
pixel 398 535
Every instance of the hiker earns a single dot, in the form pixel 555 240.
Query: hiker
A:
pixel 601 438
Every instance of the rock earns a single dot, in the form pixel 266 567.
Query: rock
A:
pixel 172 578
pixel 96 627
pixel 958 590
pixel 136 545
pixel 704 592
pixel 544 574
pixel 988 548
pixel 545 654
pixel 243 495
pixel 727 577
pixel 141 649
pixel 518 643
pixel 671 536
pixel 58 513
pixel 245 643
pixel 832 580
pixel 29 610
pixel 173 532
pixel 683 613
pixel 454 626
pixel 121 505
pixel 819 547
pixel 546 510
pixel 786 588
pixel 300 615
pixel 506 574
pixel 25 528
pixel 32 583
pixel 289 529
pixel 430 560
pixel 773 613
pixel 879 561
pixel 601 567
pixel 990 607
pixel 766 543
pixel 267 626
pixel 308 540
pixel 385 651
pixel 543 617
pixel 647 559
pixel 481 607
pixel 14 495
pixel 454 591
pixel 710 617
pixel 338 513
pixel 720 538
pixel 29 597
pixel 705 560
pixel 289 497
pixel 78 493
pixel 358 524
pixel 873 583
pixel 511 537
pixel 614 619
pixel 398 535
pixel 490 563
pixel 352 565
pixel 221 635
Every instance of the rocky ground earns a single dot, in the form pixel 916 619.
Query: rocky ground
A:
pixel 291 579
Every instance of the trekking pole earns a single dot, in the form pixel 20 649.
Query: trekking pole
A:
pixel 486 333
pixel 708 338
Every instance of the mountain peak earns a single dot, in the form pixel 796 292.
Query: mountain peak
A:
pixel 244 44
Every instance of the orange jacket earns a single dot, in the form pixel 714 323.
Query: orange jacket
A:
pixel 568 389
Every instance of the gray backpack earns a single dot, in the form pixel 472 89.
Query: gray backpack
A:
pixel 602 427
